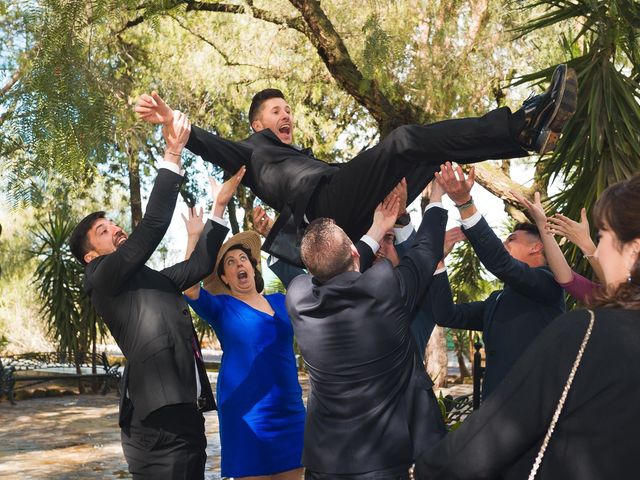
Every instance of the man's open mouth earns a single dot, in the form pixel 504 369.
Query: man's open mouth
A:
pixel 286 129
pixel 119 240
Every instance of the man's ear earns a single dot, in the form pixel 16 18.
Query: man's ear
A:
pixel 538 247
pixel 257 125
pixel 90 256
pixel 354 251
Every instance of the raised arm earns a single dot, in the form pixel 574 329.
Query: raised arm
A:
pixel 555 258
pixel 536 283
pixel 577 233
pixel 110 272
pixel 202 259
pixel 230 156
pixel 415 271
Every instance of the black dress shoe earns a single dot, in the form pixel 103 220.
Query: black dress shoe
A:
pixel 545 115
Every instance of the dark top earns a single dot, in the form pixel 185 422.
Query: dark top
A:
pixel 371 406
pixel 596 436
pixel 511 318
pixel 145 311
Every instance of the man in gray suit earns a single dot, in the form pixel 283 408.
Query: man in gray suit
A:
pixel 371 407
pixel 164 387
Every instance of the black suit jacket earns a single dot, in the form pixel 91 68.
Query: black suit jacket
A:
pixel 510 318
pixel 596 437
pixel 371 405
pixel 146 312
pixel 288 191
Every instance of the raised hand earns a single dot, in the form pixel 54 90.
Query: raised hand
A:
pixel 400 190
pixel 384 217
pixel 262 223
pixel 436 191
pixel 577 233
pixel 451 237
pixel 177 133
pixel 195 223
pixel 535 209
pixel 222 194
pixel 455 183
pixel 152 108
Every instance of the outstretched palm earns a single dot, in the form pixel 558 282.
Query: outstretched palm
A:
pixel 152 108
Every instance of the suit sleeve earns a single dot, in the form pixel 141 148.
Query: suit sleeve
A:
pixel 109 273
pixel 366 255
pixel 201 262
pixel 514 419
pixel 285 271
pixel 464 316
pixel 535 283
pixel 415 271
pixel 403 247
pixel 227 154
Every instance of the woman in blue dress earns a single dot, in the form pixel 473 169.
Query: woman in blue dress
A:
pixel 260 409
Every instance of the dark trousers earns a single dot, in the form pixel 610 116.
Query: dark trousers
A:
pixel 397 473
pixel 169 444
pixel 351 195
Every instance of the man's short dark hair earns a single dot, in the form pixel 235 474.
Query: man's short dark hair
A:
pixel 258 100
pixel 78 241
pixel 528 227
pixel 325 249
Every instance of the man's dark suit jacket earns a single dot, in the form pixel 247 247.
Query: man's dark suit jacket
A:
pixel 371 406
pixel 264 154
pixel 146 312
pixel 596 437
pixel 511 318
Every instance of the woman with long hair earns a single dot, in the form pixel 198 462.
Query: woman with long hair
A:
pixel 568 407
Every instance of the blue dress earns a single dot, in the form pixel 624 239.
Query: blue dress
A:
pixel 260 407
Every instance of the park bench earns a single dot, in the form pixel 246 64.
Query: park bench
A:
pixel 29 369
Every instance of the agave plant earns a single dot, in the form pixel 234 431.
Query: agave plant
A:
pixel 66 309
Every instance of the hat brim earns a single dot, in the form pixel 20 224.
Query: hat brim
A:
pixel 249 239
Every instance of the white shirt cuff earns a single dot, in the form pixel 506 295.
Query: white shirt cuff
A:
pixel 434 204
pixel 472 220
pixel 219 220
pixel 440 270
pixel 402 234
pixel 375 246
pixel 173 167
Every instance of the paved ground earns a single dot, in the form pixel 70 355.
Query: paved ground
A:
pixel 77 437
pixel 72 438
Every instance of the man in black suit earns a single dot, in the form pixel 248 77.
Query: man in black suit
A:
pixel 165 387
pixel 371 407
pixel 513 317
pixel 290 180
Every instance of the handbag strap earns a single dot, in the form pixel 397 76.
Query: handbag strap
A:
pixel 563 397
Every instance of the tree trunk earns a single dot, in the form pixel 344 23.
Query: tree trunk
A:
pixel 436 357
pixel 134 187
pixel 464 371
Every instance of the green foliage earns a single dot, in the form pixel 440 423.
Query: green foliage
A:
pixel 66 309
pixel 601 145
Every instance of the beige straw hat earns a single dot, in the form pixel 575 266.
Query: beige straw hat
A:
pixel 249 239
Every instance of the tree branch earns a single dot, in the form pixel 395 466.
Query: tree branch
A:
pixel 335 56
pixel 11 82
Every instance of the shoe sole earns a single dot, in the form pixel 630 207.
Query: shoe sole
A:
pixel 566 101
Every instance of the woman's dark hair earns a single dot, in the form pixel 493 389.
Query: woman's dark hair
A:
pixel 258 276
pixel 619 209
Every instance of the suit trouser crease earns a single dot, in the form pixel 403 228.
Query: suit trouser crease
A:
pixel 415 152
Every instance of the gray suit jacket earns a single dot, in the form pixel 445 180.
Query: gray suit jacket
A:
pixel 146 312
pixel 371 406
